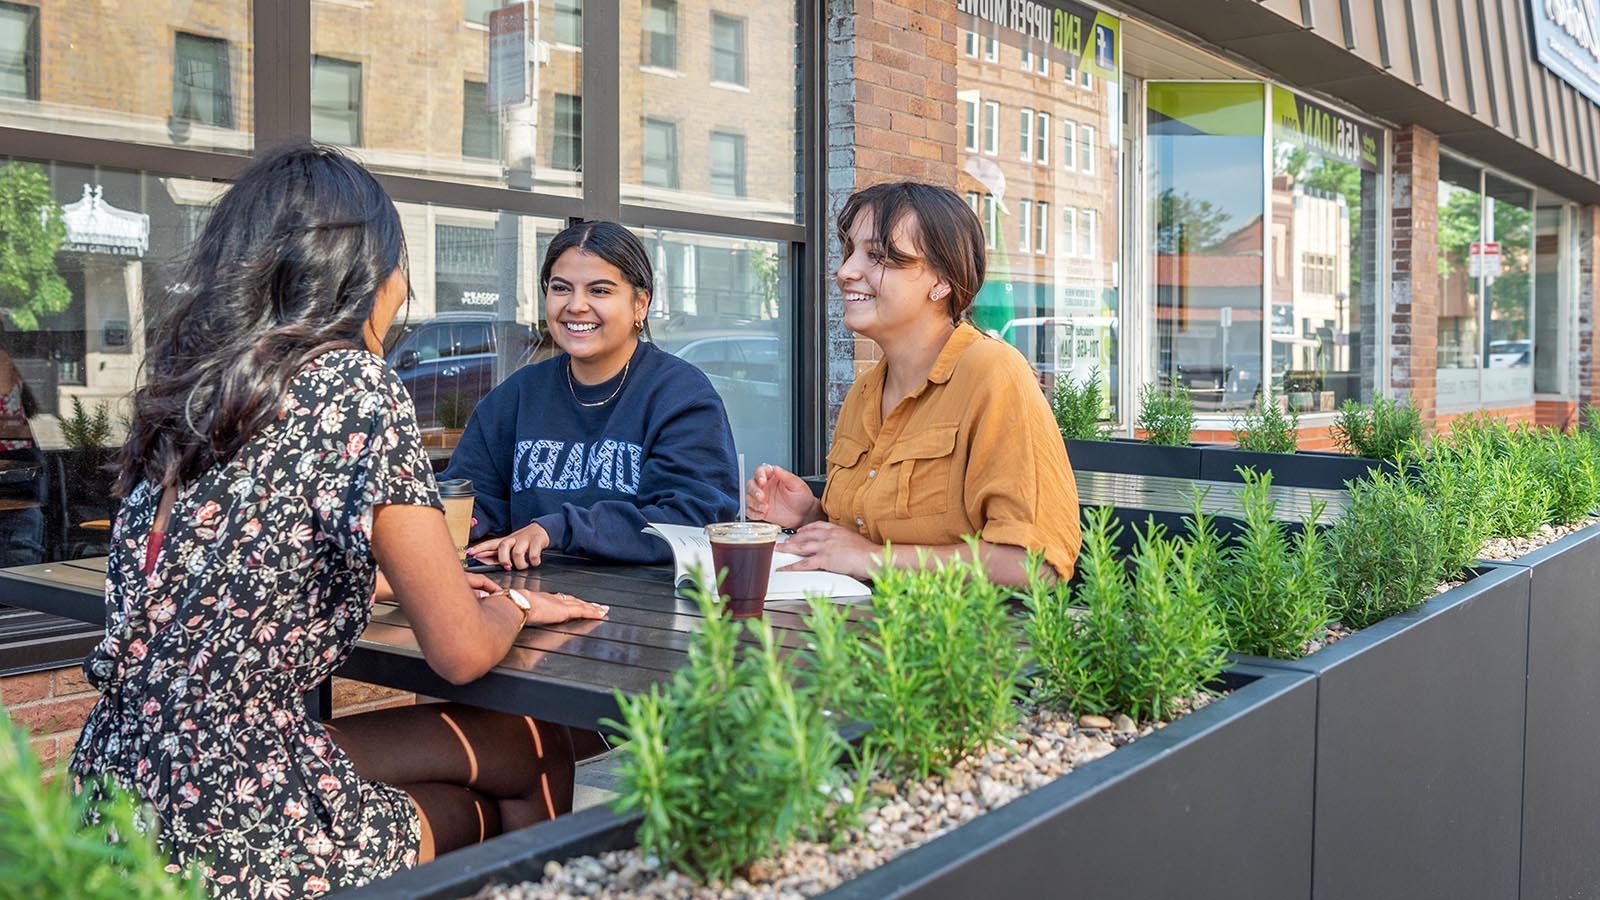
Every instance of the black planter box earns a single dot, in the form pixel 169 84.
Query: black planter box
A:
pixel 1419 747
pixel 1561 782
pixel 1307 469
pixel 1218 804
pixel 1133 457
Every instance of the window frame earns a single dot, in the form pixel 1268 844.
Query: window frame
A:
pixel 1041 138
pixel 30 51
pixel 675 178
pixel 1041 227
pixel 1025 220
pixel 337 62
pixel 738 144
pixel 1025 133
pixel 991 136
pixel 1086 148
pixel 490 119
pixel 569 138
pixel 647 43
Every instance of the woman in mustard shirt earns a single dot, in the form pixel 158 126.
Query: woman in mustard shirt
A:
pixel 949 434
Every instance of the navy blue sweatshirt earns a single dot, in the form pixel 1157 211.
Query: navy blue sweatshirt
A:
pixel 661 451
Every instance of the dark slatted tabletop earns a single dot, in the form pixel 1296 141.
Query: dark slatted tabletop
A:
pixel 568 673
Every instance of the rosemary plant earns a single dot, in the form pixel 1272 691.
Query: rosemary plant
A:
pixel 1166 415
pixel 1389 550
pixel 1267 427
pixel 735 759
pixel 1380 431
pixel 1080 408
pixel 54 843
pixel 1141 640
pixel 1274 591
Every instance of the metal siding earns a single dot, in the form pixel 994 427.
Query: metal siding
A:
pixel 1364 28
pixel 1288 9
pixel 1470 60
pixel 1414 37
pixel 1515 38
pixel 1489 32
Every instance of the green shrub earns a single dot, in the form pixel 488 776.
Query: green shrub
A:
pixel 1273 591
pixel 453 410
pixel 936 668
pixel 1142 640
pixel 1566 464
pixel 1456 481
pixel 735 759
pixel 1388 550
pixel 83 430
pixel 1080 408
pixel 1380 431
pixel 54 843
pixel 1517 497
pixel 1166 415
pixel 1267 428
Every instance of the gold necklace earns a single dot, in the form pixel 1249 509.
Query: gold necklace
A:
pixel 573 388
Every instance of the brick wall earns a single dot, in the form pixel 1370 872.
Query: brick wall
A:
pixel 891 117
pixel 1413 285
pixel 1512 415
pixel 52 705
pixel 1588 225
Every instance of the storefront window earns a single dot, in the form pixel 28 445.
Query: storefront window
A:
pixel 75 334
pixel 415 85
pixel 692 91
pixel 1049 190
pixel 181 76
pixel 1324 290
pixel 1549 317
pixel 1206 161
pixel 1508 293
pixel 726 305
pixel 1486 281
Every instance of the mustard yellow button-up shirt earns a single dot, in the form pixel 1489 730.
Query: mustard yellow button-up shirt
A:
pixel 973 450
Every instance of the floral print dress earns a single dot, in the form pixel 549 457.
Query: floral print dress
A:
pixel 262 584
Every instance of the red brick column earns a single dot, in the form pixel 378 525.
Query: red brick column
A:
pixel 891 117
pixel 1587 389
pixel 1414 285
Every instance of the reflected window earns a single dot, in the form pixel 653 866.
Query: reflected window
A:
pixel 1041 235
pixel 1326 200
pixel 19 51
pixel 727 49
pixel 1069 144
pixel 1206 175
pixel 1548 346
pixel 336 101
pixel 969 110
pixel 1041 138
pixel 568 150
pixel 1460 226
pixel 1025 134
pixel 725 304
pixel 200 90
pixel 478 10
pixel 480 128
pixel 727 164
pixel 660 153
pixel 1025 220
pixel 660 45
pixel 1086 149
pixel 991 131
pixel 567 25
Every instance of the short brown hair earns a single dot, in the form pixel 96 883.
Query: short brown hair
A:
pixel 949 239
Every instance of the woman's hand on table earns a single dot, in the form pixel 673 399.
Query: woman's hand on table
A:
pixel 521 549
pixel 547 608
pixel 779 496
pixel 831 548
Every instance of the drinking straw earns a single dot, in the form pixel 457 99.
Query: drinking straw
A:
pixel 741 487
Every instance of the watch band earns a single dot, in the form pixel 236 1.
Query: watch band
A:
pixel 524 607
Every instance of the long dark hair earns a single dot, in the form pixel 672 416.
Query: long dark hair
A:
pixel 609 241
pixel 286 268
pixel 949 238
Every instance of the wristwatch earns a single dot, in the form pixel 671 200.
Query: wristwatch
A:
pixel 517 600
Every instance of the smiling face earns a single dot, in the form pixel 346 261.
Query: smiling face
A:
pixel 884 301
pixel 591 309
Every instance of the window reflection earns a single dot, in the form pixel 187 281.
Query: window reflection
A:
pixel 1205 151
pixel 702 128
pixel 414 85
pixel 726 305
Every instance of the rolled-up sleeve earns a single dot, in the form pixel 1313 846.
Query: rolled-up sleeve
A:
pixel 1018 484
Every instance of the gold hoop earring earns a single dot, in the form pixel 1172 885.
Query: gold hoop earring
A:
pixel 639 326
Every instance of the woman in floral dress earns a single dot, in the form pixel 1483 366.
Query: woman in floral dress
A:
pixel 273 468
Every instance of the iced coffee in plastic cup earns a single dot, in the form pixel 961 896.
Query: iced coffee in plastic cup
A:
pixel 744 551
pixel 457 496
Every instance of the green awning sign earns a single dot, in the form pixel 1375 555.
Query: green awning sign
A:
pixel 1321 130
pixel 1071 34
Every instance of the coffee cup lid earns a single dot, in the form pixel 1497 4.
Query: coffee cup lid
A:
pixel 455 487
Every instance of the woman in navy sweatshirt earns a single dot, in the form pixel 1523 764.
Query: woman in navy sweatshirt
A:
pixel 579 452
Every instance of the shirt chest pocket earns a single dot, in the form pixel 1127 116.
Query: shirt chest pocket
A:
pixel 844 461
pixel 923 465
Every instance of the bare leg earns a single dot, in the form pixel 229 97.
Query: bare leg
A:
pixel 472 772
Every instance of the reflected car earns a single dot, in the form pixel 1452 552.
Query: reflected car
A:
pixel 747 369
pixel 1504 354
pixel 451 361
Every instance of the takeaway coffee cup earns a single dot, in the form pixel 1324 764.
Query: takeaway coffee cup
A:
pixel 457 496
pixel 744 551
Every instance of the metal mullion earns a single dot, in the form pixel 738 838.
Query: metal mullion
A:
pixel 113 154
pixel 809 293
pixel 282 70
pixel 657 217
pixel 409 189
pixel 602 111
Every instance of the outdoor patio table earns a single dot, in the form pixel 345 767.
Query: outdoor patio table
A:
pixel 567 672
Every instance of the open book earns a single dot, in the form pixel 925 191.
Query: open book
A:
pixel 691 548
